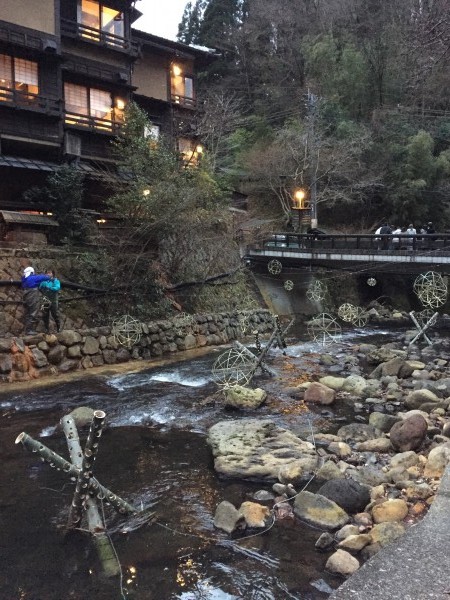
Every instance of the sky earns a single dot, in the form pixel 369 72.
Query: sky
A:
pixel 160 17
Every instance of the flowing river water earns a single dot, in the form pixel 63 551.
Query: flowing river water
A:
pixel 153 453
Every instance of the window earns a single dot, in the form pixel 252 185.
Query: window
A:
pixel 95 16
pixel 190 151
pixel 152 132
pixel 19 81
pixel 182 87
pixel 91 107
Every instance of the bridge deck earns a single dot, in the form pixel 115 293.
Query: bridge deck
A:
pixel 420 251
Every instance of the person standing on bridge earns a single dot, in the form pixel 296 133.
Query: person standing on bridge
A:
pixel 410 240
pixel 385 232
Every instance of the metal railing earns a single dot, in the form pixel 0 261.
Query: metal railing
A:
pixel 30 101
pixel 438 243
pixel 97 36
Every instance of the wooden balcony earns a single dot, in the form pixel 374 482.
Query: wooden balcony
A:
pixel 184 101
pixel 15 36
pixel 96 36
pixel 94 124
pixel 28 101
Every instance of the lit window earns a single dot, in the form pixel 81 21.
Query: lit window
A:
pixel 152 132
pixel 182 87
pixel 20 75
pixel 189 150
pixel 92 107
pixel 94 16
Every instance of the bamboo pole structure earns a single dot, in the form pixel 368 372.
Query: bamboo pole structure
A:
pixel 423 329
pixel 257 362
pixel 58 462
pixel 108 559
pixel 85 465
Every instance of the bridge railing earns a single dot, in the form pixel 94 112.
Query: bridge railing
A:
pixel 438 243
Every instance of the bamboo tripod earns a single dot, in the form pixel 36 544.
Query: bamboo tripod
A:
pixel 87 488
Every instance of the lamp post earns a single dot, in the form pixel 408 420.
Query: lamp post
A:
pixel 301 210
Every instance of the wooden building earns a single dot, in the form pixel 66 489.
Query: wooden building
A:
pixel 67 70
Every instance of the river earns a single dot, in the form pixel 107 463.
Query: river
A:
pixel 153 453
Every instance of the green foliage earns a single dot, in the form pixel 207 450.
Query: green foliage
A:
pixel 63 196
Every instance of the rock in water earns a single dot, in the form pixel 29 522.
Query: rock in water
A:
pixel 319 511
pixel 342 562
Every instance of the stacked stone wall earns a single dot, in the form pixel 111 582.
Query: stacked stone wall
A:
pixel 32 357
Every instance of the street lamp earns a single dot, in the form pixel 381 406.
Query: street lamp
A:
pixel 301 209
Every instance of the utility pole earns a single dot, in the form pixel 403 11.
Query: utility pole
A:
pixel 312 102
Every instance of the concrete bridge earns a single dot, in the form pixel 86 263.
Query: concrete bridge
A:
pixel 386 253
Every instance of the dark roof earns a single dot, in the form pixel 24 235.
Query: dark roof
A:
pixel 98 170
pixel 169 46
pixel 10 216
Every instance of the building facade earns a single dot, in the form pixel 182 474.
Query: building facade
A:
pixel 67 70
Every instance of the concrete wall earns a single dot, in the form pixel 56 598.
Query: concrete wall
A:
pixel 35 14
pixel 33 357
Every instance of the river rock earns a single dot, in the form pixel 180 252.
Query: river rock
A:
pixel 405 460
pixel 342 563
pixel 394 366
pixel 438 459
pixel 90 346
pixel 384 533
pixel 354 384
pixel 335 383
pixel 383 422
pixel 391 510
pixel 408 434
pixel 345 532
pixel 319 394
pixel 319 511
pixel 259 449
pixel 238 396
pixel 383 355
pixel 329 470
pixel 377 445
pixel 369 476
pixel 355 542
pixel 340 449
pixel 325 541
pixel 254 514
pixel 346 493
pixel 417 397
pixel 227 517
pixel 357 432
pixel 417 491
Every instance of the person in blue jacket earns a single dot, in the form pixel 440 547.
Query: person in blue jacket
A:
pixel 31 297
pixel 50 291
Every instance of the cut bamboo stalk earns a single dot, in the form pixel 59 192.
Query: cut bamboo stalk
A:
pixel 58 462
pixel 106 554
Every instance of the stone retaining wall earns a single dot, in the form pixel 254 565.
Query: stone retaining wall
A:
pixel 31 357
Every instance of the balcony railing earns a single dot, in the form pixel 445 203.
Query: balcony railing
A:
pixel 92 123
pixel 29 101
pixel 96 36
pixel 184 101
pixel 20 38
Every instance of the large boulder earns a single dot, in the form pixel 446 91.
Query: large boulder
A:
pixel 347 493
pixel 394 367
pixel 319 511
pixel 408 434
pixel 259 449
pixel 239 396
pixel 318 393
